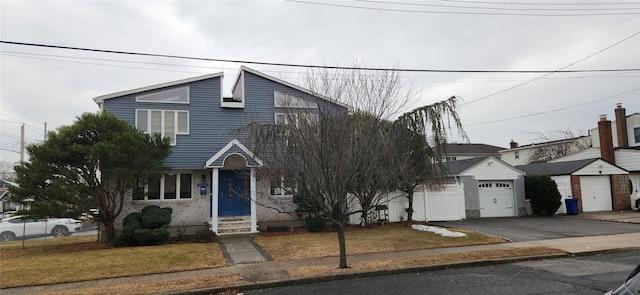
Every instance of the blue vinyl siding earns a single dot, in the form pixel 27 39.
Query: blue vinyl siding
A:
pixel 211 127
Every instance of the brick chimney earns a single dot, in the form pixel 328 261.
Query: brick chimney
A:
pixel 606 140
pixel 621 126
pixel 513 144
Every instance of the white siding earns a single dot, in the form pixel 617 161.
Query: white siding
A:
pixel 600 167
pixel 590 153
pixel 524 154
pixel 628 159
pixel 491 169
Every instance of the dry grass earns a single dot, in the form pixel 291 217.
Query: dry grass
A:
pixel 388 238
pixel 157 287
pixel 73 259
pixel 355 267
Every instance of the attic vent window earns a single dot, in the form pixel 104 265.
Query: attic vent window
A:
pixel 177 95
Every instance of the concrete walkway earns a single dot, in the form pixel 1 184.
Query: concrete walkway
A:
pixel 246 259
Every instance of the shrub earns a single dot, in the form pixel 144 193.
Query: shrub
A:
pixel 148 227
pixel 543 193
pixel 314 224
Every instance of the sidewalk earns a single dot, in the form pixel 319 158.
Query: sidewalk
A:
pixel 245 259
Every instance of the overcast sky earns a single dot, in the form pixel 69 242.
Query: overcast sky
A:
pixel 55 86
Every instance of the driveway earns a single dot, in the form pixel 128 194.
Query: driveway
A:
pixel 532 228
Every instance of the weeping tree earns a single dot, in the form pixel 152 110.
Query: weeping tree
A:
pixel 419 162
pixel 98 158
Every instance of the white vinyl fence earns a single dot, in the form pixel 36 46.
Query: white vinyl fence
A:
pixel 447 204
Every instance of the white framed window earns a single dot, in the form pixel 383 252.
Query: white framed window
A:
pixel 284 100
pixel 283 187
pixel 517 154
pixel 176 95
pixel 285 119
pixel 167 123
pixel 172 186
pixel 636 134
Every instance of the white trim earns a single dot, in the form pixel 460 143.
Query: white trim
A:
pixel 214 199
pixel 492 158
pixel 226 148
pixel 307 91
pixel 102 98
pixel 252 187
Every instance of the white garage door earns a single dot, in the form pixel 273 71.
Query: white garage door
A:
pixel 596 193
pixel 496 199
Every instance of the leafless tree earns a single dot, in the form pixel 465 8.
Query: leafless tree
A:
pixel 337 163
pixel 557 143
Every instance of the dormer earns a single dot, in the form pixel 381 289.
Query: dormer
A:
pixel 236 101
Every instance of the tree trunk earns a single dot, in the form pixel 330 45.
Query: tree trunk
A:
pixel 343 245
pixel 410 209
pixel 109 229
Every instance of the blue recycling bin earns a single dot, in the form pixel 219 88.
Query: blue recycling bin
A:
pixel 572 206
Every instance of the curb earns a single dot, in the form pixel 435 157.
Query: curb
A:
pixel 327 278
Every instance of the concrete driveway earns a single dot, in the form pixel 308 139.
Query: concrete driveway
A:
pixel 533 228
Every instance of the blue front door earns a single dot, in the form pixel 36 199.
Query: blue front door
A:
pixel 234 198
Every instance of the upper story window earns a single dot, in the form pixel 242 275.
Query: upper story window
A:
pixel 284 100
pixel 517 154
pixel 177 95
pixel 636 134
pixel 285 119
pixel 167 123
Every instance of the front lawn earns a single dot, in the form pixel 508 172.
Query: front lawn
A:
pixel 72 259
pixel 377 239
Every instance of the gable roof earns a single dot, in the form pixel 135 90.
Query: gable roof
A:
pixel 102 98
pixel 234 147
pixel 460 166
pixel 569 167
pixel 557 168
pixel 472 149
pixel 291 85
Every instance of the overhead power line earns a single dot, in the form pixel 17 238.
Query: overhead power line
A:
pixel 464 12
pixel 558 71
pixel 310 66
pixel 499 8
pixel 544 3
pixel 558 109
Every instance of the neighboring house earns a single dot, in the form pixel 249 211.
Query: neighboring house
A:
pixel 525 154
pixel 597 184
pixel 212 179
pixel 476 188
pixel 617 143
pixel 463 151
pixel 492 188
pixel 8 205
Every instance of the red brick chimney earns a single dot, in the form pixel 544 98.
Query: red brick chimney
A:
pixel 606 140
pixel 513 144
pixel 621 126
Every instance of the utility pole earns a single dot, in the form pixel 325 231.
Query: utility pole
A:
pixel 22 143
pixel 45 131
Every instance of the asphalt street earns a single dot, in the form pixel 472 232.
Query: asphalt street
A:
pixel 533 228
pixel 584 275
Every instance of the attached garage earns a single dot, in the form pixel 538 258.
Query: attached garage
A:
pixel 492 188
pixel 596 193
pixel 496 198
pixel 587 180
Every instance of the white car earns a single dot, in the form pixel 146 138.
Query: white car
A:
pixel 18 227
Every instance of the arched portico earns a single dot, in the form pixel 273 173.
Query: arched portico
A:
pixel 233 185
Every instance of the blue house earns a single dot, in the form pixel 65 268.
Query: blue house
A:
pixel 212 179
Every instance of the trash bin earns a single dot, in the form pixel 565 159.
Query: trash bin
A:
pixel 572 206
